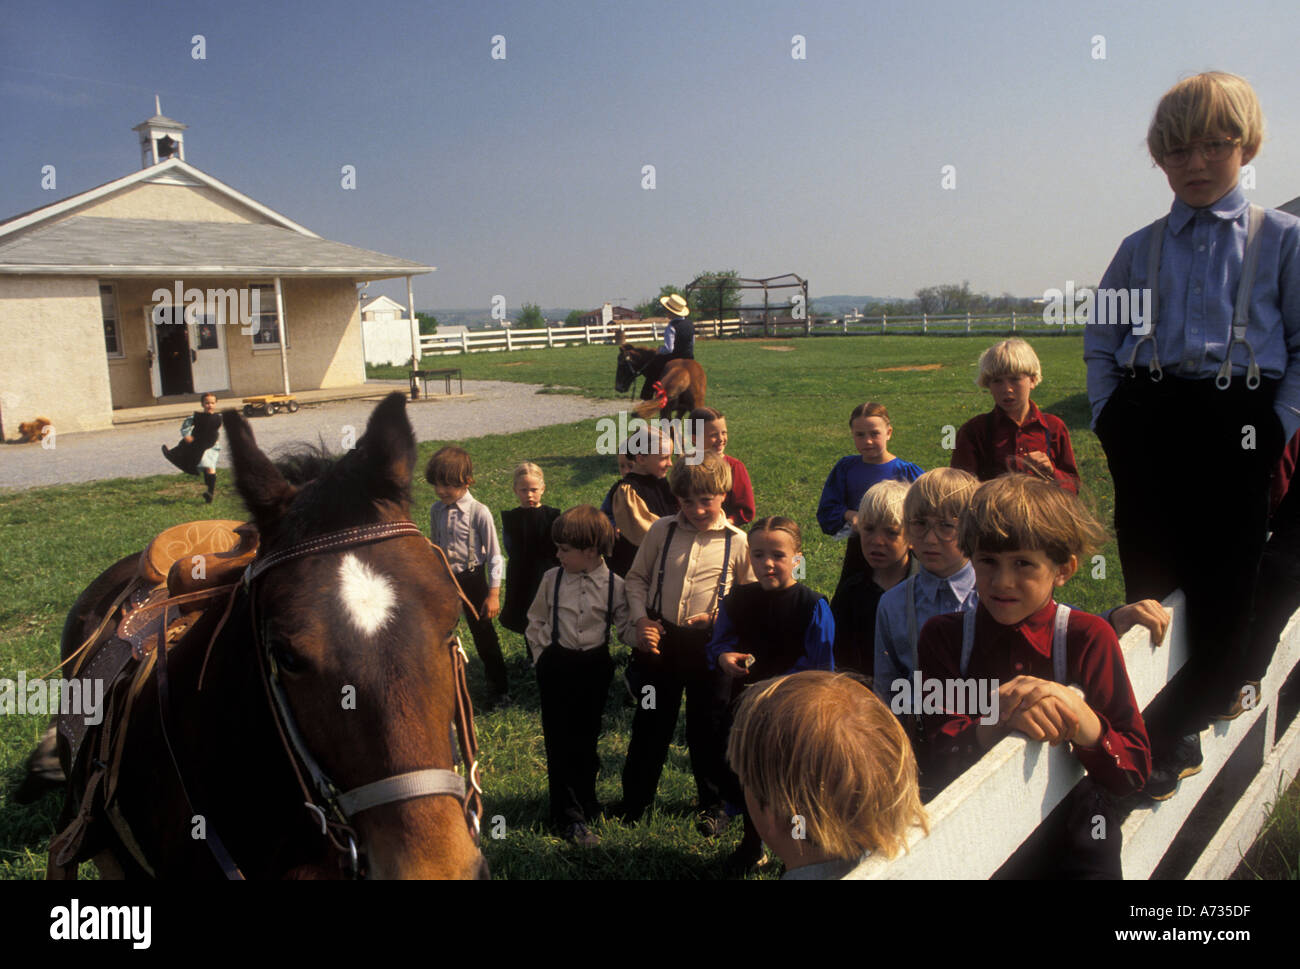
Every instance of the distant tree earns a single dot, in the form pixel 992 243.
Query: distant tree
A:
pixel 652 306
pixel 530 317
pixel 428 323
pixel 947 298
pixel 715 294
pixel 574 318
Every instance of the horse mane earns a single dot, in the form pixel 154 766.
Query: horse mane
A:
pixel 303 462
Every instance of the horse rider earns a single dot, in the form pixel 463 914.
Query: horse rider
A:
pixel 679 343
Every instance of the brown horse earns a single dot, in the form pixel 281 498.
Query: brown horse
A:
pixel 682 384
pixel 308 731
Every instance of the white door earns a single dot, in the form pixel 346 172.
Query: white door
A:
pixel 208 340
pixel 155 374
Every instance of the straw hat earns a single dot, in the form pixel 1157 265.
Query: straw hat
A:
pixel 675 304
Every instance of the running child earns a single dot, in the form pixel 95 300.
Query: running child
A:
pixel 200 446
pixel 1015 435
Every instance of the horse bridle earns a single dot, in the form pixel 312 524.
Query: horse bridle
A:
pixel 334 810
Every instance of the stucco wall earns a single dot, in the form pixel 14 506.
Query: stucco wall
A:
pixel 52 360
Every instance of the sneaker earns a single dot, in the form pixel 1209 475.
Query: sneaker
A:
pixel 713 821
pixel 1247 698
pixel 579 834
pixel 1185 761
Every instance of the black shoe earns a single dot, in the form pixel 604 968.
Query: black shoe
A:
pixel 713 821
pixel 498 701
pixel 1246 698
pixel 624 814
pixel 579 834
pixel 749 857
pixel 1184 761
pixel 207 496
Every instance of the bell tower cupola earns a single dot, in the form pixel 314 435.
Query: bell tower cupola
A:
pixel 160 138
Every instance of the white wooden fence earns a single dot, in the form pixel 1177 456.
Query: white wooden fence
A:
pixel 979 820
pixel 558 336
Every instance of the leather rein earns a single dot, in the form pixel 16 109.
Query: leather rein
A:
pixel 332 809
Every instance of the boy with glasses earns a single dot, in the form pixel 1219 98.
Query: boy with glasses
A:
pixel 1194 393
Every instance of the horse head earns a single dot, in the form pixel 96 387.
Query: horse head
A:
pixel 355 636
pixel 631 361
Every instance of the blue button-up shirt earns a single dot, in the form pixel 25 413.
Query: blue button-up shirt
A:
pixel 895 651
pixel 1200 268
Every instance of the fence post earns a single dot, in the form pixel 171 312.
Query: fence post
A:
pixel 586 332
pixel 883 322
pixel 509 345
pixel 925 322
pixel 968 321
pixel 1013 321
pixel 654 330
pixel 550 337
pixel 464 341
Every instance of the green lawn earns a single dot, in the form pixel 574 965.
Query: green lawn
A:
pixel 787 403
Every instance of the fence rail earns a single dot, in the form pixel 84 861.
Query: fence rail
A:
pixel 979 820
pixel 557 336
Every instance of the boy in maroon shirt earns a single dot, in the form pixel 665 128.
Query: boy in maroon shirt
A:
pixel 1015 435
pixel 1059 672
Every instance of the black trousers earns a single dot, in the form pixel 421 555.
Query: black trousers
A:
pixel 680 667
pixel 484 632
pixel 1278 593
pixel 1191 467
pixel 574 685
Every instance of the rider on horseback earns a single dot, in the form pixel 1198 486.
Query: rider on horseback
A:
pixel 679 344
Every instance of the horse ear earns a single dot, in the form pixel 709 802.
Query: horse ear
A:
pixel 387 449
pixel 264 489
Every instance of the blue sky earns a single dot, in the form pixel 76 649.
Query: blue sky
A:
pixel 522 176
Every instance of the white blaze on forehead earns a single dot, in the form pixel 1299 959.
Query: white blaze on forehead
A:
pixel 368 597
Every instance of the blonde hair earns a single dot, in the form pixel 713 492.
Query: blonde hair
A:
pixel 1021 512
pixel 711 475
pixel 779 523
pixel 941 493
pixel 822 746
pixel 1010 358
pixel 883 504
pixel 526 469
pixel 1198 106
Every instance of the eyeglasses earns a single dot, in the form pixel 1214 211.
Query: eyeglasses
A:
pixel 945 531
pixel 1211 151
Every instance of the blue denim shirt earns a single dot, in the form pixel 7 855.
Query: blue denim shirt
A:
pixel 895 652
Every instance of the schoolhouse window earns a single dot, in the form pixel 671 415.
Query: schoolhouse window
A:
pixel 108 309
pixel 268 329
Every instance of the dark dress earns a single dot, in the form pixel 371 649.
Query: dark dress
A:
pixel 206 432
pixel 526 534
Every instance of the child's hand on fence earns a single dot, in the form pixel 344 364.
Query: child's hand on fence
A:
pixel 734 665
pixel 1147 612
pixel 1043 710
pixel 647 635
pixel 491 605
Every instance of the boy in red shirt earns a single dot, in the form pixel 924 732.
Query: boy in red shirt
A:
pixel 1015 435
pixel 1059 673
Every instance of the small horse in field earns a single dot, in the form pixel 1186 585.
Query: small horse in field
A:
pixel 303 727
pixel 681 385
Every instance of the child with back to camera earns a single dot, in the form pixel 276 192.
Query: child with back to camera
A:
pixel 828 774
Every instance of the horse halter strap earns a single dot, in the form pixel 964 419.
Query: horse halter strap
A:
pixel 340 807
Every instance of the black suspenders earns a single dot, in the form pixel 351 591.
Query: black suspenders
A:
pixel 656 604
pixel 555 610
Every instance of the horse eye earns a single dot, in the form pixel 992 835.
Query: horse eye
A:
pixel 284 657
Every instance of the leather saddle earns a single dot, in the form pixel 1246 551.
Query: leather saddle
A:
pixel 176 579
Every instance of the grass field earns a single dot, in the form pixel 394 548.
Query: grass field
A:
pixel 787 403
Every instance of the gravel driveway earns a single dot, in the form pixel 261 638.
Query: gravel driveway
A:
pixel 489 407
